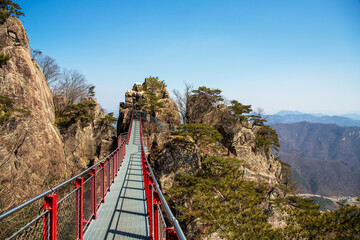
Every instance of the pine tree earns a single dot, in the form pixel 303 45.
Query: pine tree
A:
pixel 153 93
pixel 201 133
pixel 9 8
pixel 238 110
pixel 91 92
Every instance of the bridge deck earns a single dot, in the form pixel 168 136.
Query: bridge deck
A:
pixel 123 216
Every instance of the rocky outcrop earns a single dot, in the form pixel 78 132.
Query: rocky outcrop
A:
pixel 239 138
pixel 34 154
pixel 86 145
pixel 30 144
pixel 135 100
pixel 173 155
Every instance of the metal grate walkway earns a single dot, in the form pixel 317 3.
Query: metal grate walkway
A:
pixel 123 216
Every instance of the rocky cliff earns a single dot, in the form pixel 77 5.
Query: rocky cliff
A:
pixel 86 144
pixel 34 154
pixel 179 162
pixel 165 117
pixel 31 145
pixel 239 139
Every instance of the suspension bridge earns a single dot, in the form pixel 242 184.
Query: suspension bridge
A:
pixel 117 198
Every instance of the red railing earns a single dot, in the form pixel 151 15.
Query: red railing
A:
pixel 69 217
pixel 156 203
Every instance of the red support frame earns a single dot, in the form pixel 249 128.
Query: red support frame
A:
pixel 157 202
pixel 171 234
pixel 102 166
pixel 79 208
pixel 119 158
pixel 93 193
pixel 151 206
pixel 50 204
pixel 123 153
pixel 113 167
pixel 109 175
pixel 116 162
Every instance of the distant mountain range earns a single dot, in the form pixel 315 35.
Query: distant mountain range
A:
pixel 295 116
pixel 325 158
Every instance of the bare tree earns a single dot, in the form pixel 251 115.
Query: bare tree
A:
pixel 258 118
pixel 48 65
pixel 50 69
pixel 182 100
pixel 260 111
pixel 35 53
pixel 72 84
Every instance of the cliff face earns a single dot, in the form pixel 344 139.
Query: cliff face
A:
pixel 173 154
pixel 34 154
pixel 30 144
pixel 86 145
pixel 239 138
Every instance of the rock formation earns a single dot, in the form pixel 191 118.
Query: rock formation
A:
pixel 135 99
pixel 173 155
pixel 86 145
pixel 31 146
pixel 34 154
pixel 239 139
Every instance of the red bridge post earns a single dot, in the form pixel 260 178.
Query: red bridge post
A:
pixel 113 167
pixel 117 160
pixel 171 234
pixel 93 193
pixel 109 174
pixel 50 203
pixel 102 166
pixel 79 209
pixel 157 205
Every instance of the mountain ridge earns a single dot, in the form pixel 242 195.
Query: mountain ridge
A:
pixel 325 156
pixel 296 116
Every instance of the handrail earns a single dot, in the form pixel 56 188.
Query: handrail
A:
pixel 179 231
pixel 108 166
pixel 168 211
pixel 51 190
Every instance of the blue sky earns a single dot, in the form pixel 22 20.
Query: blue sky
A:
pixel 279 55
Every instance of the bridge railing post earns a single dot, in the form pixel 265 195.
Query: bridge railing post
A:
pixel 157 208
pixel 124 150
pixel 151 208
pixel 108 175
pixel 110 170
pixel 113 167
pixel 50 221
pixel 102 182
pixel 93 193
pixel 118 160
pixel 171 234
pixel 119 157
pixel 79 208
